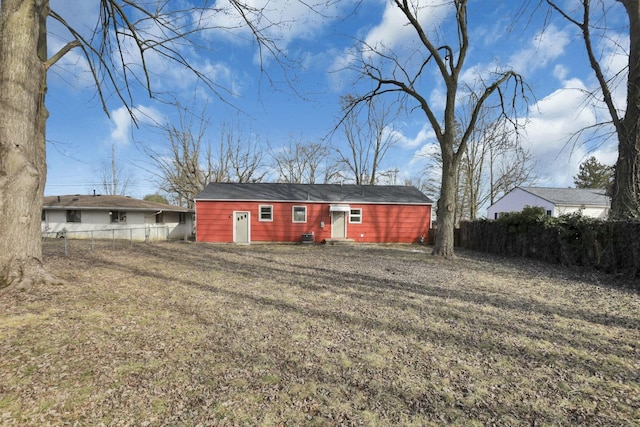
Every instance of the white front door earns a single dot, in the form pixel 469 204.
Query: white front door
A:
pixel 338 225
pixel 241 227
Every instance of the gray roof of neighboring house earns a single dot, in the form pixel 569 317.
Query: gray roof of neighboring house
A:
pixel 107 202
pixel 331 193
pixel 571 196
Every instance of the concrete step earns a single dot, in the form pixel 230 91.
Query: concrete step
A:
pixel 339 241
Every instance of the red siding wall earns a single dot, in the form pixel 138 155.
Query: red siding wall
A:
pixel 380 223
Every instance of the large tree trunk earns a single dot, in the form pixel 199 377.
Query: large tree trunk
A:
pixel 445 220
pixel 625 201
pixel 22 140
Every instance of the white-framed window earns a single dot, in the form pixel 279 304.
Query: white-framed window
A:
pixel 265 213
pixel 73 216
pixel 182 218
pixel 118 216
pixel 299 214
pixel 43 215
pixel 355 216
pixel 160 218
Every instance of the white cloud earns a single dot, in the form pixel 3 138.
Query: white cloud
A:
pixel 426 151
pixel 424 135
pixel 560 72
pixel 393 30
pixel 122 122
pixel 166 75
pixel 552 134
pixel 615 60
pixel 282 21
pixel 340 72
pixel 423 164
pixel 121 126
pixel 392 33
pixel 545 47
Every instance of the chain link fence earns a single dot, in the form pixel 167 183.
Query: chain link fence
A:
pixel 65 242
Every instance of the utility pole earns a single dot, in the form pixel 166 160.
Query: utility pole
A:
pixel 113 169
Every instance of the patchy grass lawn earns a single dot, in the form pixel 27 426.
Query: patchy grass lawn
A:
pixel 194 334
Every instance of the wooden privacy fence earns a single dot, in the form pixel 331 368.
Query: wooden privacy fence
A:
pixel 610 246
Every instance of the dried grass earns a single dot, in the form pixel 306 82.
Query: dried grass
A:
pixel 195 334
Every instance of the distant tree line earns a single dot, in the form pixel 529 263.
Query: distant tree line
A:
pixel 356 152
pixel 189 158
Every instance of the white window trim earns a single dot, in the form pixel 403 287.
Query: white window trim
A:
pixel 293 214
pixel 260 213
pixel 359 216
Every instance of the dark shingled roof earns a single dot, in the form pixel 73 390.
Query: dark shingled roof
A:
pixel 571 196
pixel 331 193
pixel 106 202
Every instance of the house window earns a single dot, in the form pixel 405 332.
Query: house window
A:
pixel 549 213
pixel 43 215
pixel 160 218
pixel 355 216
pixel 299 214
pixel 266 213
pixel 118 216
pixel 182 218
pixel 73 216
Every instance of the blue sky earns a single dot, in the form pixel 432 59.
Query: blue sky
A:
pixel 80 135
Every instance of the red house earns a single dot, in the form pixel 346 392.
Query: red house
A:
pixel 270 212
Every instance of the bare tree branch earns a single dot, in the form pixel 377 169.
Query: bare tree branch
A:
pixel 404 79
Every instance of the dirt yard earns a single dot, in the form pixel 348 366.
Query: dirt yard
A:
pixel 208 335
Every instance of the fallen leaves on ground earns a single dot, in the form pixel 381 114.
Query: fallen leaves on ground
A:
pixel 197 334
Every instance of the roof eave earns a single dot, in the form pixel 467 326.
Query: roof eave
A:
pixel 116 208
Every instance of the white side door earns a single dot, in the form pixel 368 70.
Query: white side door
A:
pixel 338 225
pixel 241 227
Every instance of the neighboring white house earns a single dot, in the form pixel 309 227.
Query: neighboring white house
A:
pixel 592 202
pixel 105 217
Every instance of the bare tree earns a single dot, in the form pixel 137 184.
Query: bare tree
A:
pixel 115 178
pixel 588 18
pixel 493 163
pixel 402 77
pixel 239 157
pixel 138 28
pixel 509 169
pixel 301 162
pixel 369 138
pixel 184 166
pixel 189 160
